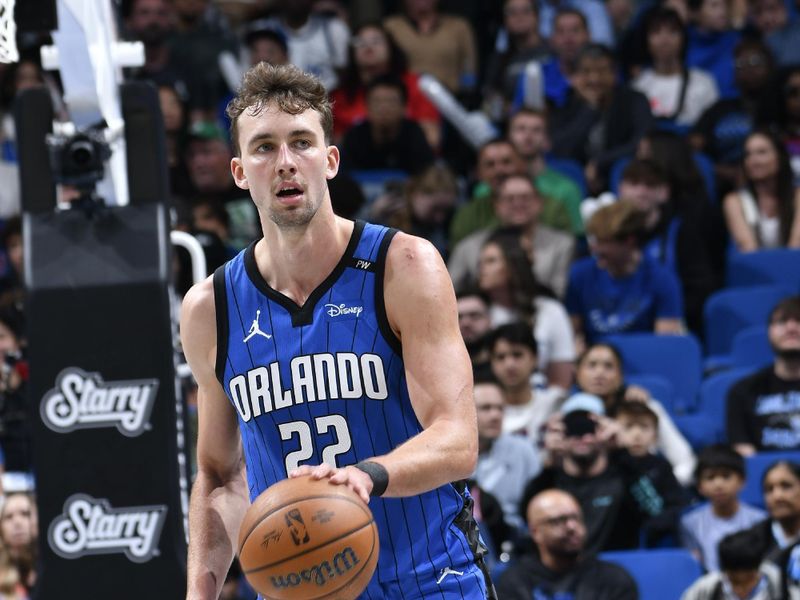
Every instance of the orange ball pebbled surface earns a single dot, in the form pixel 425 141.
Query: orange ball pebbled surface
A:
pixel 305 539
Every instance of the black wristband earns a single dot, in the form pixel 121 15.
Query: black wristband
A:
pixel 378 474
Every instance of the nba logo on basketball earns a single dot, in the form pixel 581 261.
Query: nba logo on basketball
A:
pixel 297 527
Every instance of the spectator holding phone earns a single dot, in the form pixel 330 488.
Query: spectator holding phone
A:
pixel 615 497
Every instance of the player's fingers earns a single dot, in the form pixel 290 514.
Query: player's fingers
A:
pixel 322 471
pixel 301 471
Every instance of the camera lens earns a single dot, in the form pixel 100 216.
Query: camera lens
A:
pixel 81 153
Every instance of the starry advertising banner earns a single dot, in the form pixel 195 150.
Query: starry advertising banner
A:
pixel 108 430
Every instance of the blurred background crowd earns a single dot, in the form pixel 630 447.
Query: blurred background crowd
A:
pixel 623 238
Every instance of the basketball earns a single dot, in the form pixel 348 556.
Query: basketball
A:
pixel 305 539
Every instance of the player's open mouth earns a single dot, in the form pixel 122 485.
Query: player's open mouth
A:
pixel 289 192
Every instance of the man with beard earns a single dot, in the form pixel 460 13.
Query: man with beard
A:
pixel 616 496
pixel 764 408
pixel 562 568
pixel 475 325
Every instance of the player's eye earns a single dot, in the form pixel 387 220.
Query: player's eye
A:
pixel 303 144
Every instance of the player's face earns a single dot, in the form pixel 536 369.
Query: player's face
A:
pixel 285 163
pixel 512 364
pixel 599 373
pixel 489 405
pixel 782 493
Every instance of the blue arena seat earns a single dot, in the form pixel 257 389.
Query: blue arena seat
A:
pixel 660 387
pixel 751 348
pixel 714 393
pixel 373 182
pixel 700 430
pixel 764 267
pixel 756 465
pixel 728 311
pixel 660 574
pixel 569 168
pixel 677 358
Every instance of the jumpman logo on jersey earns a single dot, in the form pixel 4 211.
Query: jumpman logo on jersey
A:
pixel 445 572
pixel 255 329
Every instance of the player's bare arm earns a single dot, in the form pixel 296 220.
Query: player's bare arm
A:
pixel 219 494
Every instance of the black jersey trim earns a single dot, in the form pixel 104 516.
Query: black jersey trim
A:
pixel 380 304
pixel 221 308
pixel 301 315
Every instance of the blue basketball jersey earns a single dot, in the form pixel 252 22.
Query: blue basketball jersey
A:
pixel 325 382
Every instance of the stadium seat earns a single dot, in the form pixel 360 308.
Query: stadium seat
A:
pixel 660 388
pixel 661 574
pixel 714 394
pixel 765 267
pixel 569 168
pixel 751 348
pixel 756 465
pixel 373 182
pixel 700 430
pixel 677 358
pixel 728 311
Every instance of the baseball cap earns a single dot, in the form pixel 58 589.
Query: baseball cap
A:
pixel 207 130
pixel 585 402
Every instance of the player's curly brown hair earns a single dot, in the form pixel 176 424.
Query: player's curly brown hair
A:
pixel 293 90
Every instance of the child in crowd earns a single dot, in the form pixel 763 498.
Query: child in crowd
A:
pixel 743 576
pixel 719 476
pixel 638 434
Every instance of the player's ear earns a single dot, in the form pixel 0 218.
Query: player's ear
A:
pixel 238 173
pixel 333 162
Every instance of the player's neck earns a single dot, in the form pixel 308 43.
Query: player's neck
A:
pixel 296 262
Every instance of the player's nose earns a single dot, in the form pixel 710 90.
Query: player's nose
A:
pixel 285 159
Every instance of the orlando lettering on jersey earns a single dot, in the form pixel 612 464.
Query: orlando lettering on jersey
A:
pixel 323 376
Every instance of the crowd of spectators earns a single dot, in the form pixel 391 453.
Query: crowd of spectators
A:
pixel 640 145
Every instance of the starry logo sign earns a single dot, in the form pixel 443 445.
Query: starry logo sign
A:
pixel 91 526
pixel 82 400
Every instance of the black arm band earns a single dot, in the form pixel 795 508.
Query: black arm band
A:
pixel 378 474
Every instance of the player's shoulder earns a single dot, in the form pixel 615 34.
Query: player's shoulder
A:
pixel 198 303
pixel 409 252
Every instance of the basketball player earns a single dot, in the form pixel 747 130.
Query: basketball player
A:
pixel 329 348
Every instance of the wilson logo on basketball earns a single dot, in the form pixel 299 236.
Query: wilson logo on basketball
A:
pixel 90 526
pixel 297 527
pixel 320 574
pixel 82 400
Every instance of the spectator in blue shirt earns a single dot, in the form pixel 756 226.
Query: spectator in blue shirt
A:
pixel 619 288
pixel 711 43
pixel 600 26
pixel 570 35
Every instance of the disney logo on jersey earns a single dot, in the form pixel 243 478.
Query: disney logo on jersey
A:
pixel 82 400
pixel 339 310
pixel 90 526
